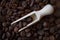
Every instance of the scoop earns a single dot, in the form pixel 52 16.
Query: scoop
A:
pixel 36 15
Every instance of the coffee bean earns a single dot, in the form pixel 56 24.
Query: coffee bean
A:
pixel 46 38
pixel 4 24
pixel 31 4
pixel 45 24
pixel 52 30
pixel 57 21
pixel 37 1
pixel 46 34
pixel 22 33
pixel 35 34
pixel 4 12
pixel 6 29
pixel 24 24
pixel 6 39
pixel 8 34
pixel 3 36
pixel 28 34
pixel 29 19
pixel 46 29
pixel 58 25
pixel 10 28
pixel 0 9
pixel 15 29
pixel 40 37
pixel 52 38
pixel 20 24
pixel 19 38
pixel 24 4
pixel 52 1
pixel 40 32
pixel 27 30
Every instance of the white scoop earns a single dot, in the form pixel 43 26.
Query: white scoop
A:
pixel 37 15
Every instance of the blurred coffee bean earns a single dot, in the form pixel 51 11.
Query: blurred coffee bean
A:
pixel 24 24
pixel 10 28
pixel 31 4
pixel 45 24
pixel 37 1
pixel 8 34
pixel 24 4
pixel 58 25
pixel 52 1
pixel 6 29
pixel 0 9
pixel 57 12
pixel 29 19
pixel 46 38
pixel 6 39
pixel 35 35
pixel 27 30
pixel 46 34
pixel 20 24
pixel 28 34
pixel 40 32
pixel 4 24
pixel 16 29
pixel 57 21
pixel 19 38
pixel 46 29
pixel 52 37
pixel 40 37
pixel 3 36
pixel 52 30
pixel 22 34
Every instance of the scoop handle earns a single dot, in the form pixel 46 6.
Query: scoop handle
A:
pixel 47 10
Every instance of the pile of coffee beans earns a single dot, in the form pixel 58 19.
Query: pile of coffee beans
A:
pixel 48 28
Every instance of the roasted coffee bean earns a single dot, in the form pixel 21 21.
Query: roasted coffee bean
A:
pixel 52 1
pixel 27 30
pixel 3 36
pixel 10 28
pixel 22 34
pixel 46 29
pixel 45 24
pixel 16 29
pixel 24 4
pixel 6 29
pixel 32 3
pixel 52 38
pixel 8 34
pixel 29 19
pixel 4 24
pixel 0 9
pixel 24 24
pixel 57 21
pixel 46 34
pixel 28 34
pixel 35 35
pixel 37 1
pixel 6 39
pixel 52 30
pixel 40 37
pixel 40 32
pixel 20 24
pixel 19 38
pixel 46 38
pixel 58 25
